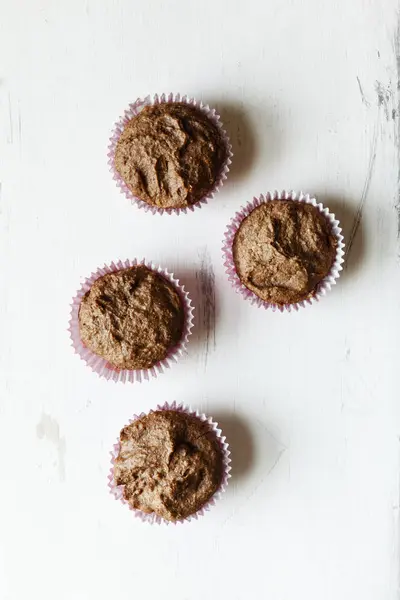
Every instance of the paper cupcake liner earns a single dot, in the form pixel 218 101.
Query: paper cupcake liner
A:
pixel 118 490
pixel 101 366
pixel 133 110
pixel 323 287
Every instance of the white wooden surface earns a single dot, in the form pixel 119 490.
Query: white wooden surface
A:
pixel 308 90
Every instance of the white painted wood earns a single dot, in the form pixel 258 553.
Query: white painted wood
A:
pixel 308 92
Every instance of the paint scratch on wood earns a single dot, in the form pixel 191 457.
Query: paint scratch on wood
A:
pixel 206 281
pixel 364 100
pixel 364 195
pixel 397 127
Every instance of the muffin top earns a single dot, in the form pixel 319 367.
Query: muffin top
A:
pixel 170 155
pixel 282 251
pixel 170 464
pixel 131 318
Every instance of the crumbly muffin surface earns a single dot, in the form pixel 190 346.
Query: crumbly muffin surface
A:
pixel 282 250
pixel 170 155
pixel 169 464
pixel 131 318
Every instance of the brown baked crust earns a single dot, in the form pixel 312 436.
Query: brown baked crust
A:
pixel 282 251
pixel 131 318
pixel 170 463
pixel 170 155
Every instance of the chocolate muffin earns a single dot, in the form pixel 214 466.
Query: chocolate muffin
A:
pixel 132 318
pixel 170 463
pixel 282 251
pixel 170 155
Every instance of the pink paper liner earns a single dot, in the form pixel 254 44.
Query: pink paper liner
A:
pixel 323 287
pixel 98 364
pixel 133 110
pixel 118 491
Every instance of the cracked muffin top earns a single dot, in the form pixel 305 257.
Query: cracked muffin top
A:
pixel 170 155
pixel 282 251
pixel 170 463
pixel 132 318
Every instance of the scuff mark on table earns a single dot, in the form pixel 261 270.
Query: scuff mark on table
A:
pixel 384 97
pixel 397 126
pixel 19 126
pixel 49 429
pixel 10 117
pixel 205 278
